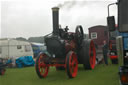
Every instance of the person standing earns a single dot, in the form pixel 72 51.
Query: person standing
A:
pixel 105 51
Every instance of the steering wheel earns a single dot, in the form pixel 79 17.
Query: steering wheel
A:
pixel 79 34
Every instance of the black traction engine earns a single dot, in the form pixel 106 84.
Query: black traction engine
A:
pixel 65 50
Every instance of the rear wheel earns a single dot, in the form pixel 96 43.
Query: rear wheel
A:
pixel 87 54
pixel 71 64
pixel 41 68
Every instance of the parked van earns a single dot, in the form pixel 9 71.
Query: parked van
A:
pixel 14 48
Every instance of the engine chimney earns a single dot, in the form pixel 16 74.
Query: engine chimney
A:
pixel 55 15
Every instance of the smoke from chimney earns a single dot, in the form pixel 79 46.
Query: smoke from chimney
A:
pixel 70 4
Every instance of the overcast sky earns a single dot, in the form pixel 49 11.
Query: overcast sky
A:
pixel 33 18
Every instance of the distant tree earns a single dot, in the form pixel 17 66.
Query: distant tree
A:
pixel 21 38
pixel 36 39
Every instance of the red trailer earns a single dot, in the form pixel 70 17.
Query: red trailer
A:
pixel 98 34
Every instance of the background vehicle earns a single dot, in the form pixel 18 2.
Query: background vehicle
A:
pixel 112 47
pixel 11 48
pixel 122 39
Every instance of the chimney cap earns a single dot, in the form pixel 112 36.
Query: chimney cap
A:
pixel 55 8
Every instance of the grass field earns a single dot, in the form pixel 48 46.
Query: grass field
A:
pixel 101 75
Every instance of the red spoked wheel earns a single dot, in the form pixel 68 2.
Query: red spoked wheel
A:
pixel 92 54
pixel 71 64
pixel 2 71
pixel 41 68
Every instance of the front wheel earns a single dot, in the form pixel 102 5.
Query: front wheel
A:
pixel 71 64
pixel 41 68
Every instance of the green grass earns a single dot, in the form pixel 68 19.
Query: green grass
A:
pixel 101 75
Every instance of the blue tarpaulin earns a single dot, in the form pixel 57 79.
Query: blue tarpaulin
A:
pixel 25 61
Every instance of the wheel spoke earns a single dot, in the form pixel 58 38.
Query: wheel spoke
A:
pixel 41 70
pixel 73 62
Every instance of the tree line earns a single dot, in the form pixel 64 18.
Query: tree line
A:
pixel 39 39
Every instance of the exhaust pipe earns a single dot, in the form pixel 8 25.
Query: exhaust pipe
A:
pixel 55 15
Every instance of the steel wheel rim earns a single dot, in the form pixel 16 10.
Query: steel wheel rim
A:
pixel 92 54
pixel 73 65
pixel 43 68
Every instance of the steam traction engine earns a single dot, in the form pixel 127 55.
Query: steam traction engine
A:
pixel 65 50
